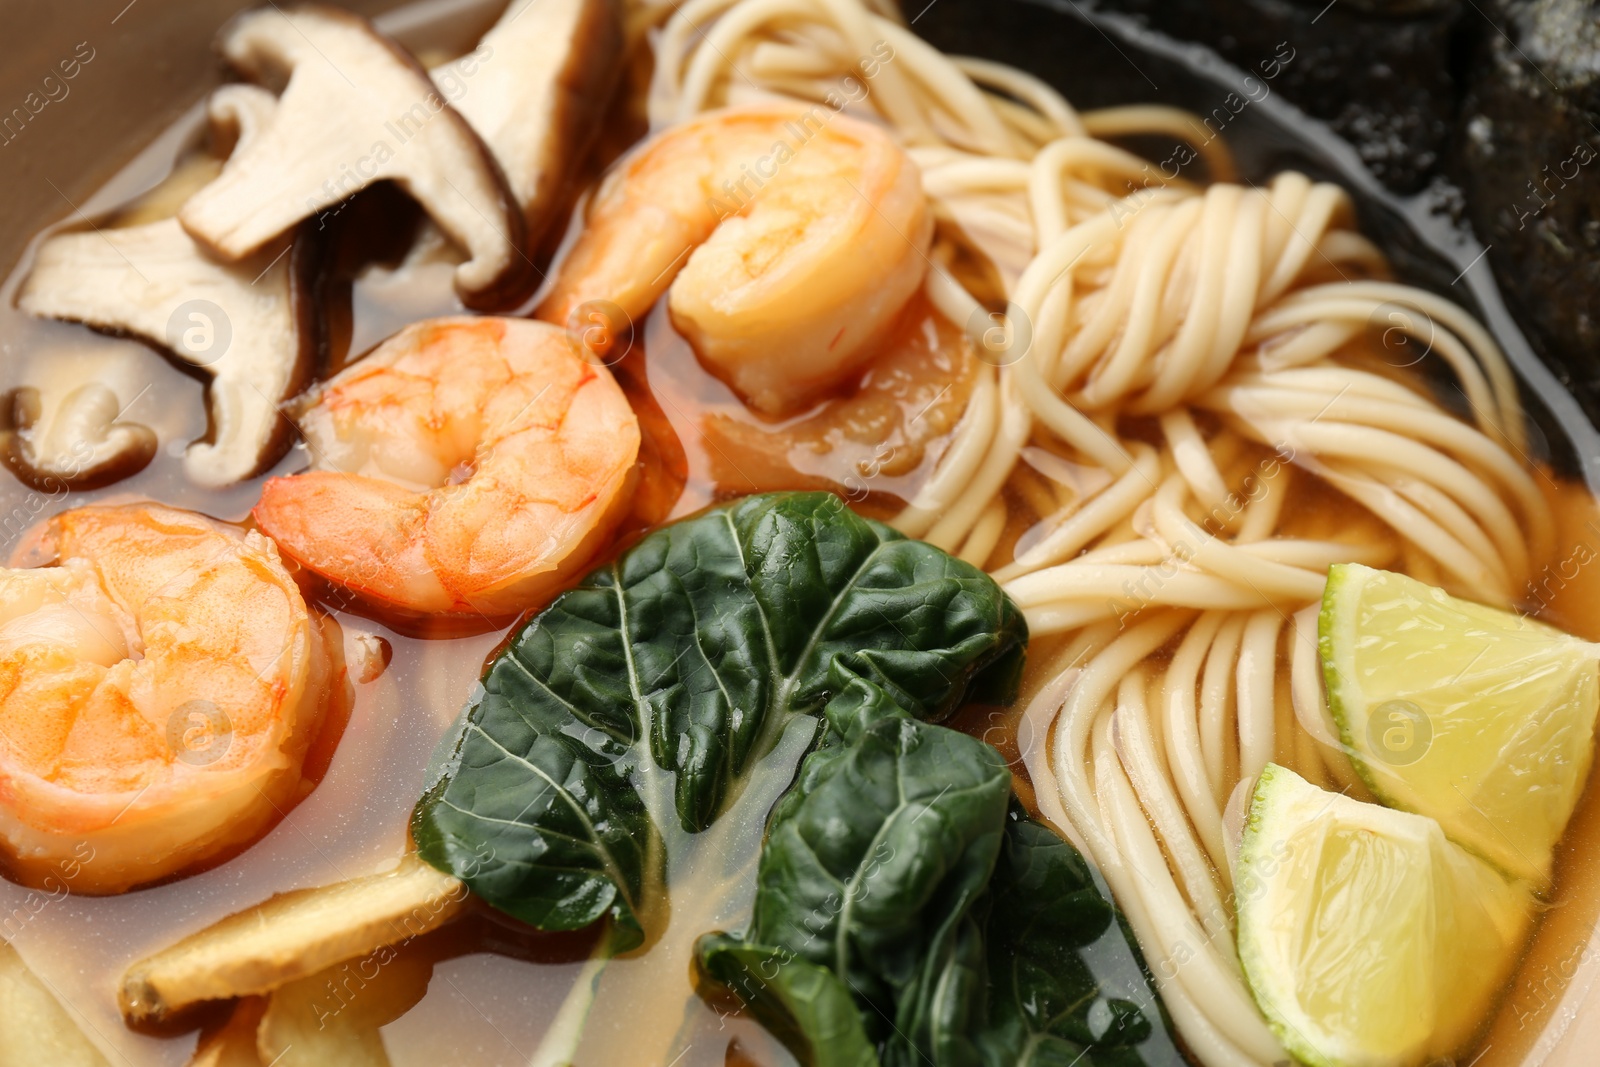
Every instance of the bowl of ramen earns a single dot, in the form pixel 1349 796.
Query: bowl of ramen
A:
pixel 797 532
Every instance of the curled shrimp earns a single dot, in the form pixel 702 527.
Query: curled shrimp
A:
pixel 467 465
pixel 160 686
pixel 790 236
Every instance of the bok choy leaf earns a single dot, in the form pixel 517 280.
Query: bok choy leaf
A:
pixel 640 703
pixel 895 882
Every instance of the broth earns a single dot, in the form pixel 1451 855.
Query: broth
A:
pixel 496 986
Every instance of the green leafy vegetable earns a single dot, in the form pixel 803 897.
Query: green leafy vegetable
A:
pixel 1064 973
pixel 895 880
pixel 803 1004
pixel 872 865
pixel 639 702
pixel 900 914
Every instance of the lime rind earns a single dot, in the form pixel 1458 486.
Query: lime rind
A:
pixel 1257 850
pixel 1367 938
pixel 1511 729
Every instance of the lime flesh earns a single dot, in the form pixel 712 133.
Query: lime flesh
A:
pixel 1368 938
pixel 1476 717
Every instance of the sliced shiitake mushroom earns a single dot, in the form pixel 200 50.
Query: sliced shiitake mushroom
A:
pixel 82 444
pixel 355 109
pixel 250 325
pixel 534 89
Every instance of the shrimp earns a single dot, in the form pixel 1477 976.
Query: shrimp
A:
pixel 805 233
pixel 467 465
pixel 160 686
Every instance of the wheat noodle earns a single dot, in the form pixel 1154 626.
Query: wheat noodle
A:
pixel 1226 359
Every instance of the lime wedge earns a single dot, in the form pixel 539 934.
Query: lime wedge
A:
pixel 1479 718
pixel 1368 938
